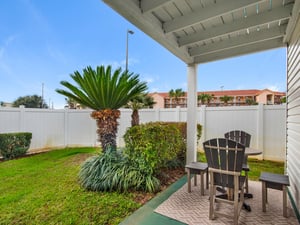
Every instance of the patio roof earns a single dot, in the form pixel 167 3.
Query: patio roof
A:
pixel 199 31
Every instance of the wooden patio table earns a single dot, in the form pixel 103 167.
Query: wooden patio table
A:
pixel 250 151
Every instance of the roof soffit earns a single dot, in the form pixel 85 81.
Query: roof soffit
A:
pixel 207 30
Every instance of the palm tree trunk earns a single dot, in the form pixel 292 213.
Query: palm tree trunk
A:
pixel 107 127
pixel 135 120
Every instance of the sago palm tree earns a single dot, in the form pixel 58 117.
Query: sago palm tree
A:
pixel 104 91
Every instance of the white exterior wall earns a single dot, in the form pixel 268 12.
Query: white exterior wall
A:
pixel 59 128
pixel 293 115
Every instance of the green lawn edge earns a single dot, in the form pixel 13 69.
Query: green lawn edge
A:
pixel 146 215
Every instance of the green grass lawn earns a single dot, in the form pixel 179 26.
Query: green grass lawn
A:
pixel 258 166
pixel 44 189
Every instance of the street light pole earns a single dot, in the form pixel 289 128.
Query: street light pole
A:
pixel 128 32
pixel 42 104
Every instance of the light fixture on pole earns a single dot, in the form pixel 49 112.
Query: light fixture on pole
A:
pixel 128 32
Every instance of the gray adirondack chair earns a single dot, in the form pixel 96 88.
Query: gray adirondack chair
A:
pixel 243 138
pixel 225 159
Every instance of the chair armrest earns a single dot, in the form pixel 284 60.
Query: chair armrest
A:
pixel 224 171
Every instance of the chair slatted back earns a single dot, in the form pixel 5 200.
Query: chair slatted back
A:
pixel 239 136
pixel 225 157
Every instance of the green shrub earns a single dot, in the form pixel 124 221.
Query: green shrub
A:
pixel 153 145
pixel 149 147
pixel 111 171
pixel 13 145
pixel 182 126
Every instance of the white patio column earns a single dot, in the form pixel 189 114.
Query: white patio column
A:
pixel 191 154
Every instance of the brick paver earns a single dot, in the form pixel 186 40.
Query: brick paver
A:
pixel 192 208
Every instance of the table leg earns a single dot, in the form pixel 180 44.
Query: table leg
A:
pixel 189 180
pixel 202 183
pixel 284 201
pixel 264 196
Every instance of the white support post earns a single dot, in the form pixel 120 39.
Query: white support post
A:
pixel 191 153
pixel 260 128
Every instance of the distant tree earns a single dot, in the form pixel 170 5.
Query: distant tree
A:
pixel 141 101
pixel 283 100
pixel 226 99
pixel 205 98
pixel 72 104
pixel 176 94
pixel 149 101
pixel 1 103
pixel 209 98
pixel 30 101
pixel 250 101
pixel 202 98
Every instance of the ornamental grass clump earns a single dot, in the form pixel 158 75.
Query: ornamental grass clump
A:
pixel 112 171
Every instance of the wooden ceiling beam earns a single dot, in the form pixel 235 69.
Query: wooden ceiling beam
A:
pixel 251 21
pixel 204 14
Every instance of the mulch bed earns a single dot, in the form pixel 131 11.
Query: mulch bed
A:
pixel 168 177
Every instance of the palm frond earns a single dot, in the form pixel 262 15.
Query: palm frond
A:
pixel 103 88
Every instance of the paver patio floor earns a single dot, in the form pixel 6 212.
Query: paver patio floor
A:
pixel 192 208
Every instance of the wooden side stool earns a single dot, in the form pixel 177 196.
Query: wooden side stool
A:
pixel 197 168
pixel 274 181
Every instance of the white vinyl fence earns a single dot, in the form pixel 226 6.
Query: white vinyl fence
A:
pixel 59 128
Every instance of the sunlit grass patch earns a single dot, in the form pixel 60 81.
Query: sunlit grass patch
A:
pixel 44 189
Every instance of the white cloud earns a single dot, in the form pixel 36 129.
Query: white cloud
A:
pixel 149 80
pixel 273 88
pixel 56 54
pixel 154 89
pixel 113 64
pixel 131 62
pixel 7 42
pixel 37 16
pixel 10 39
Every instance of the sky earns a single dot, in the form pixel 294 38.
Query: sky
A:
pixel 42 42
